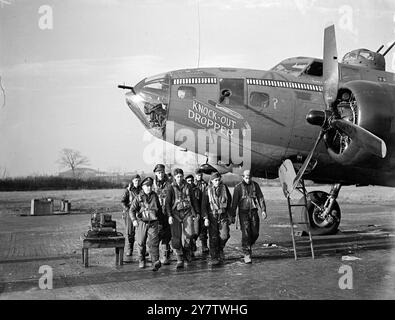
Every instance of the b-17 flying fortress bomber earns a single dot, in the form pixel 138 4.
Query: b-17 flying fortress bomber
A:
pixel 333 120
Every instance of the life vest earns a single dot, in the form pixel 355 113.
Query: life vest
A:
pixel 249 201
pixel 161 189
pixel 148 210
pixel 219 203
pixel 182 198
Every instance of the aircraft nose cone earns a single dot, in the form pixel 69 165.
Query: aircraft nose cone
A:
pixel 130 98
pixel 129 95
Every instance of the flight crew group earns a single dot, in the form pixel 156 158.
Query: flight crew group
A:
pixel 177 211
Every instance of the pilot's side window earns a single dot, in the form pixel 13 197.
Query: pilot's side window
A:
pixel 259 100
pixel 185 92
pixel 315 69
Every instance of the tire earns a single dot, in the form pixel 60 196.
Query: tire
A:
pixel 319 227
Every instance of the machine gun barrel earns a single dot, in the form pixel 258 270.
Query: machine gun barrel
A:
pixel 379 49
pixel 389 49
pixel 127 88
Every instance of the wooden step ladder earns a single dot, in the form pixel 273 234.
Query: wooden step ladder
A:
pixel 302 189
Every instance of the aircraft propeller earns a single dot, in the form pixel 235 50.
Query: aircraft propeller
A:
pixel 330 118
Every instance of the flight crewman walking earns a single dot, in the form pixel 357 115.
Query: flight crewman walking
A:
pixel 182 208
pixel 202 185
pixel 146 215
pixel 130 193
pixel 160 186
pixel 198 195
pixel 248 197
pixel 216 206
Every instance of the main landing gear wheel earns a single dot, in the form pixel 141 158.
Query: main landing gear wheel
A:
pixel 319 224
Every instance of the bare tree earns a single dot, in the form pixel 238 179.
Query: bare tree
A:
pixel 72 159
pixel 3 172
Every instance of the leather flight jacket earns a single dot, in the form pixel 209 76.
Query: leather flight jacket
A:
pixel 148 210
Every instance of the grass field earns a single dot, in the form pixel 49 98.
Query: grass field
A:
pixel 85 201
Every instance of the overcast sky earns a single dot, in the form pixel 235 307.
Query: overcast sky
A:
pixel 61 83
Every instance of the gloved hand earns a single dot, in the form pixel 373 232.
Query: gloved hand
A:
pixel 135 223
pixel 232 219
pixel 170 220
pixel 264 215
pixel 206 222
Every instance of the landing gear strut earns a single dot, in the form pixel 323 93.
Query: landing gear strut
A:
pixel 324 211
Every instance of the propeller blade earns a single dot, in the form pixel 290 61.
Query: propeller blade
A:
pixel 330 67
pixel 361 136
pixel 307 161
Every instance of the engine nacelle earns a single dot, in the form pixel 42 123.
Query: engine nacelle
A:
pixel 367 104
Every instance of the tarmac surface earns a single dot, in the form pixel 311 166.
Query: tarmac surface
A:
pixel 365 240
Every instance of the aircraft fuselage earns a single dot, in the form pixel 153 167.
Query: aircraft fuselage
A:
pixel 273 104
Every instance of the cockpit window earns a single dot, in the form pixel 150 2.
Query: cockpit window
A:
pixel 154 85
pixel 294 68
pixel 351 56
pixel 315 69
pixel 186 92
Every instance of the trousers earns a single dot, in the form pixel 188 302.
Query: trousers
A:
pixel 183 230
pixel 164 233
pixel 249 224
pixel 129 231
pixel 147 234
pixel 203 235
pixel 218 230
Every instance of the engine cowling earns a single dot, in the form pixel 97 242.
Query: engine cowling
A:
pixel 367 104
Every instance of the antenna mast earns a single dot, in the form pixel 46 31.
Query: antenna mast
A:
pixel 198 14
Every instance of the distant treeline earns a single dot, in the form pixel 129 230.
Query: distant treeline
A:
pixel 56 183
pixel 64 183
